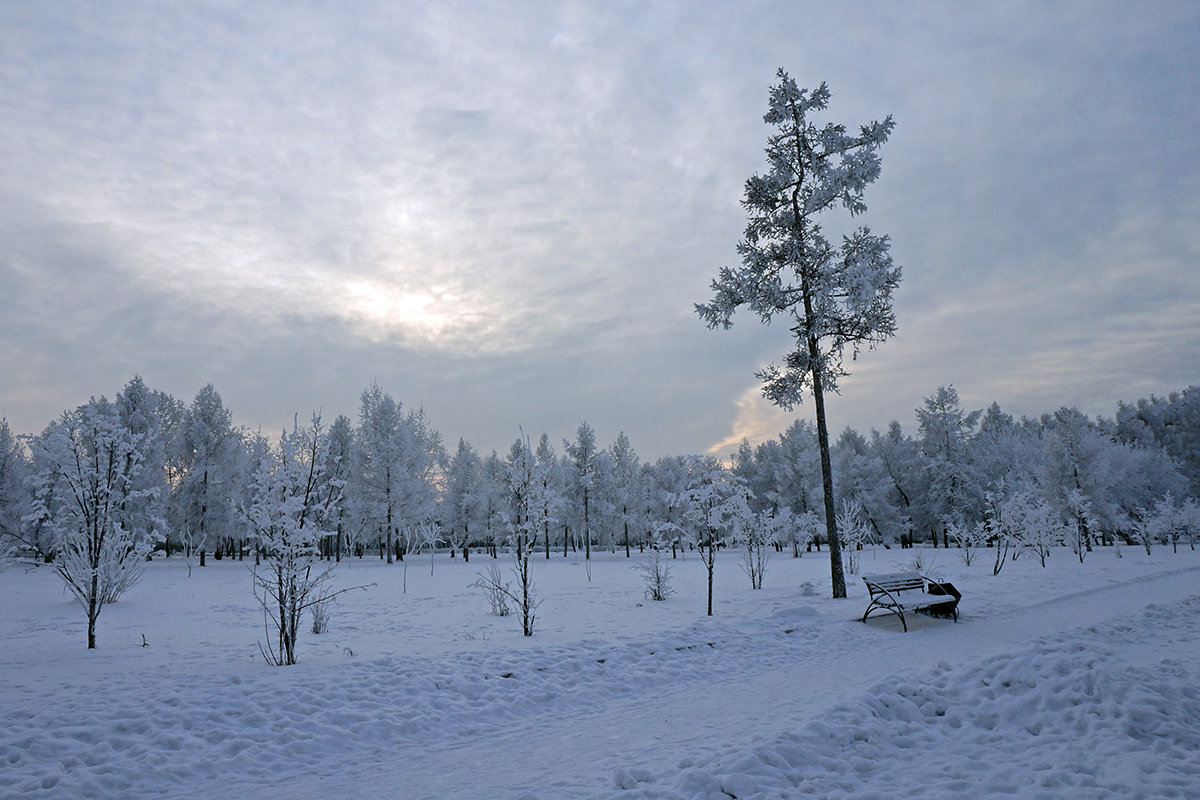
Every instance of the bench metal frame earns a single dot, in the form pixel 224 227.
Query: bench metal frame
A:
pixel 900 591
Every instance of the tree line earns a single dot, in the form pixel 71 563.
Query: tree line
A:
pixel 105 485
pixel 183 476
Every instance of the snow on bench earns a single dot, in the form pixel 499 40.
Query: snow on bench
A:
pixel 900 591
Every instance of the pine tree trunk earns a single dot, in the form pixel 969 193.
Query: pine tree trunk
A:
pixel 835 548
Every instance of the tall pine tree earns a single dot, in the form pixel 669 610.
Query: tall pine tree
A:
pixel 832 297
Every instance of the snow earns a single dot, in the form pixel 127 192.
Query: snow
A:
pixel 1069 681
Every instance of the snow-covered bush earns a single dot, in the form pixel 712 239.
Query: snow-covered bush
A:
pixel 757 536
pixel 495 590
pixel 1169 521
pixel 656 575
pixel 854 532
pixel 320 615
pixel 968 538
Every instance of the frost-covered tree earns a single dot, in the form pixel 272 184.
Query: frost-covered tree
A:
pixel 855 531
pixel 1160 523
pixel 1076 477
pixel 89 492
pixel 715 508
pixel 1004 449
pixel 493 490
pixel 1101 487
pixel 460 502
pixel 293 496
pixel 1170 521
pixel 1034 522
pixel 1139 478
pixel 552 493
pixel 605 511
pixel 379 473
pixel 625 469
pixel 531 507
pixel 339 467
pixel 1017 519
pixel 424 458
pixel 211 476
pixel 525 519
pixel 754 466
pixel 863 480
pixel 14 496
pixel 954 491
pixel 900 458
pixel 152 418
pixel 667 484
pixel 797 467
pixel 755 535
pixel 582 455
pixel 1171 423
pixel 967 538
pixel 834 298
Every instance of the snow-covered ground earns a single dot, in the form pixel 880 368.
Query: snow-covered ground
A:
pixel 1069 681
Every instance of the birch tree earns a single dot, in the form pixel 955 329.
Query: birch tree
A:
pixel 834 298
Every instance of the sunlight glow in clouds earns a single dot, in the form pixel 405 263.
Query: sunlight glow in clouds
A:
pixel 437 318
pixel 384 309
pixel 505 212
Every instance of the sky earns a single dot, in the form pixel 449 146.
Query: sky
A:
pixel 504 213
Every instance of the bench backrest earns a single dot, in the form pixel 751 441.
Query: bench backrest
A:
pixel 895 581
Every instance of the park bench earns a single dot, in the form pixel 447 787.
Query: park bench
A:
pixel 898 592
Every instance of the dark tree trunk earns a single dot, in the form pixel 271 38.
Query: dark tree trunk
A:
pixel 587 527
pixel 93 611
pixel 711 564
pixel 835 547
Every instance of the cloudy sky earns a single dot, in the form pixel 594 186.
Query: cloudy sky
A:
pixel 504 212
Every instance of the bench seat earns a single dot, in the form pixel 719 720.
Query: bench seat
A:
pixel 898 592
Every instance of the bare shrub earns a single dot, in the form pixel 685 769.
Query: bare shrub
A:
pixel 495 590
pixel 656 574
pixel 320 615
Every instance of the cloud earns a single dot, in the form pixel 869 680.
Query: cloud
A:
pixel 756 421
pixel 505 213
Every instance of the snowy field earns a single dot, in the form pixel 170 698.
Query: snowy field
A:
pixel 1070 681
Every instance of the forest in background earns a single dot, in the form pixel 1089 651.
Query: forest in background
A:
pixel 188 477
